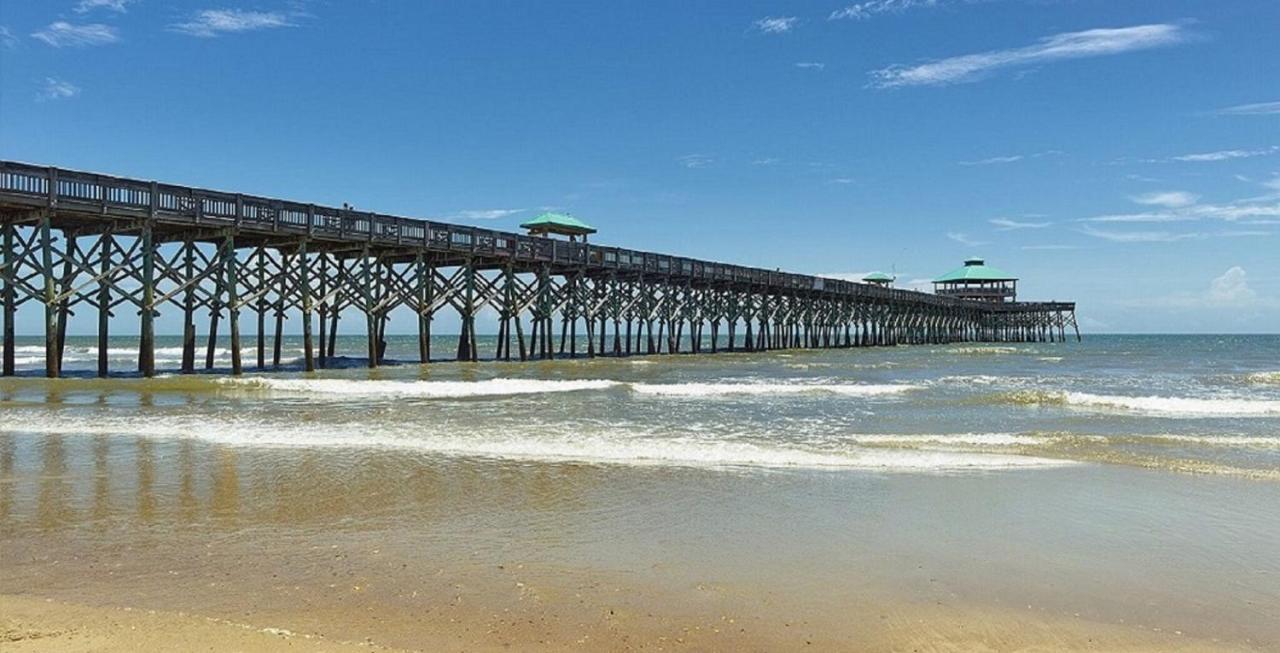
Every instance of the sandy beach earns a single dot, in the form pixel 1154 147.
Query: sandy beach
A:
pixel 181 545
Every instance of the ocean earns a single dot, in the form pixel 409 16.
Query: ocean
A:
pixel 1205 404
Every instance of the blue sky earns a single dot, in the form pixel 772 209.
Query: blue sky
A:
pixel 1122 154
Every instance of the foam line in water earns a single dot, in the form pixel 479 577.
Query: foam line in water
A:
pixel 764 389
pixel 424 389
pixel 1156 405
pixel 612 448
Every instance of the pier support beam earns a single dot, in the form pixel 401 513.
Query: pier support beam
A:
pixel 8 294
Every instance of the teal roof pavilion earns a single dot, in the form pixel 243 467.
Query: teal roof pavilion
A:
pixel 558 223
pixel 975 269
pixel 878 277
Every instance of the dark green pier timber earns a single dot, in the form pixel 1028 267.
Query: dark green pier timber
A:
pixel 82 241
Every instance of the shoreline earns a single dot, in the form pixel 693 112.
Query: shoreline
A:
pixel 36 625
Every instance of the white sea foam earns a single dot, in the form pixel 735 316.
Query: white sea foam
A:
pixel 1176 406
pixel 968 439
pixel 612 448
pixel 424 389
pixel 765 389
pixel 1263 378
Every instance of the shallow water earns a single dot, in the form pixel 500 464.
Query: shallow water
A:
pixel 1208 404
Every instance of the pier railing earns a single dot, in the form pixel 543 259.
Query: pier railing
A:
pixel 92 193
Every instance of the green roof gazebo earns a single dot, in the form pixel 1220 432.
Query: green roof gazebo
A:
pixel 879 279
pixel 558 223
pixel 979 281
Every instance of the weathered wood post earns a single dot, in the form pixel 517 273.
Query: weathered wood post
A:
pixel 304 287
pixel 281 304
pixel 70 251
pixel 8 271
pixel 147 343
pixel 106 249
pixel 188 308
pixel 50 309
pixel 260 306
pixel 323 313
pixel 233 300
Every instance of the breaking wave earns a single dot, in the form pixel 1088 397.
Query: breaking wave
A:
pixel 605 447
pixel 1151 405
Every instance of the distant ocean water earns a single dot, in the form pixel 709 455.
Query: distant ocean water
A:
pixel 1206 404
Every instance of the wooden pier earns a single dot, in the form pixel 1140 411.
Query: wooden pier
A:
pixel 76 240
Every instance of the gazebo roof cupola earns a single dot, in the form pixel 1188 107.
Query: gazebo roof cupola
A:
pixel 975 269
pixel 558 223
pixel 878 278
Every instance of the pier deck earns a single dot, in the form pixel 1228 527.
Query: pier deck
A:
pixel 145 246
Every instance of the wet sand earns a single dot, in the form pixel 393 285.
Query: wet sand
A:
pixel 425 553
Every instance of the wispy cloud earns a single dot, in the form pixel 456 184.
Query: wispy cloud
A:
pixel 209 23
pixel 1036 248
pixel 1011 158
pixel 1246 211
pixel 7 40
pixel 61 34
pixel 1068 45
pixel 1169 199
pixel 56 89
pixel 811 65
pixel 1006 224
pixel 766 161
pixel 1225 155
pixel 483 214
pixel 694 161
pixel 118 6
pixel 995 159
pixel 964 239
pixel 1139 236
pixel 872 8
pixel 1255 109
pixel 842 180
pixel 776 24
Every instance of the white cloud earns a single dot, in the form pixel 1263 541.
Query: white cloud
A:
pixel 776 24
pixel 7 40
pixel 57 89
pixel 870 8
pixel 964 239
pixel 118 6
pixel 1181 206
pixel 61 34
pixel 1006 224
pixel 1228 290
pixel 483 214
pixel 767 161
pixel 1012 158
pixel 694 161
pixel 1256 109
pixel 1226 155
pixel 1232 288
pixel 1170 199
pixel 1068 45
pixel 811 65
pixel 842 180
pixel 209 23
pixel 995 159
pixel 1139 236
